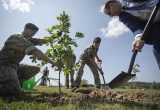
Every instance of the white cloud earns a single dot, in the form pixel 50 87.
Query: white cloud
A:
pixel 21 5
pixel 101 9
pixel 114 29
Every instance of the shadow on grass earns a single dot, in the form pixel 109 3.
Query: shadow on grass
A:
pixel 36 97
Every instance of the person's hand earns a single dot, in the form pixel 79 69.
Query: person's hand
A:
pixel 42 41
pixel 137 44
pixel 57 64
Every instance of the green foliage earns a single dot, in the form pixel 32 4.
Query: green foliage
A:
pixel 34 59
pixel 79 35
pixel 135 70
pixel 59 42
pixel 141 85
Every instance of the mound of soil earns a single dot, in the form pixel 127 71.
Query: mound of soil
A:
pixel 95 94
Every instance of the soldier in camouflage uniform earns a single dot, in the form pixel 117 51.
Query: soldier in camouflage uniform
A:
pixel 12 73
pixel 88 57
pixel 70 64
pixel 45 77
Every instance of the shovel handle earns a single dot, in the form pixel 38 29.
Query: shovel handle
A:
pixel 104 79
pixel 132 61
pixel 147 27
pixel 101 72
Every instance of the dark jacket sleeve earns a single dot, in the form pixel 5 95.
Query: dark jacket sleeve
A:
pixel 135 0
pixel 133 23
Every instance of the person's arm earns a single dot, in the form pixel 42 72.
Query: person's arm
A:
pixel 91 57
pixel 16 42
pixel 36 41
pixel 132 22
pixel 98 59
pixel 136 26
pixel 136 0
pixel 41 56
pixel 95 64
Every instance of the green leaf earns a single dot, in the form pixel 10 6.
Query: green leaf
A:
pixel 59 42
pixel 43 63
pixel 56 27
pixel 79 35
pixel 49 50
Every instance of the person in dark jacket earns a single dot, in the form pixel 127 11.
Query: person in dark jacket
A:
pixel 135 14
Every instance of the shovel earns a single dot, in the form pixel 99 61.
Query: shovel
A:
pixel 102 73
pixel 103 86
pixel 124 77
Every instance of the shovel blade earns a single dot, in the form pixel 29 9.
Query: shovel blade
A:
pixel 120 79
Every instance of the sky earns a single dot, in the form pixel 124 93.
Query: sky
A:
pixel 86 17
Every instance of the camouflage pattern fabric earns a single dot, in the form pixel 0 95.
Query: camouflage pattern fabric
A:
pixel 13 74
pixel 26 72
pixel 71 74
pixel 9 84
pixel 89 54
pixel 70 64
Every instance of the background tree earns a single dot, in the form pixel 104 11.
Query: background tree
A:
pixel 134 71
pixel 59 43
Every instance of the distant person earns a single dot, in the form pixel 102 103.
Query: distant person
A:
pixel 135 14
pixel 12 73
pixel 45 77
pixel 70 64
pixel 88 57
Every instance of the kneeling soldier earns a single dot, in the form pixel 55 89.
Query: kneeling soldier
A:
pixel 12 73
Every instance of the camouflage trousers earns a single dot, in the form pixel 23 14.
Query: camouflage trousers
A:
pixel 71 74
pixel 12 78
pixel 80 74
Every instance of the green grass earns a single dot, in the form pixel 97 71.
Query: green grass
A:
pixel 48 98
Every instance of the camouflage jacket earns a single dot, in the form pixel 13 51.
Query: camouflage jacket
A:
pixel 71 61
pixel 16 47
pixel 89 54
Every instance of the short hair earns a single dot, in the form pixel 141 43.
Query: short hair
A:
pixel 31 26
pixel 97 40
pixel 106 6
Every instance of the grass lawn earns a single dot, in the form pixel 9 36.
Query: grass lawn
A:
pixel 49 98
